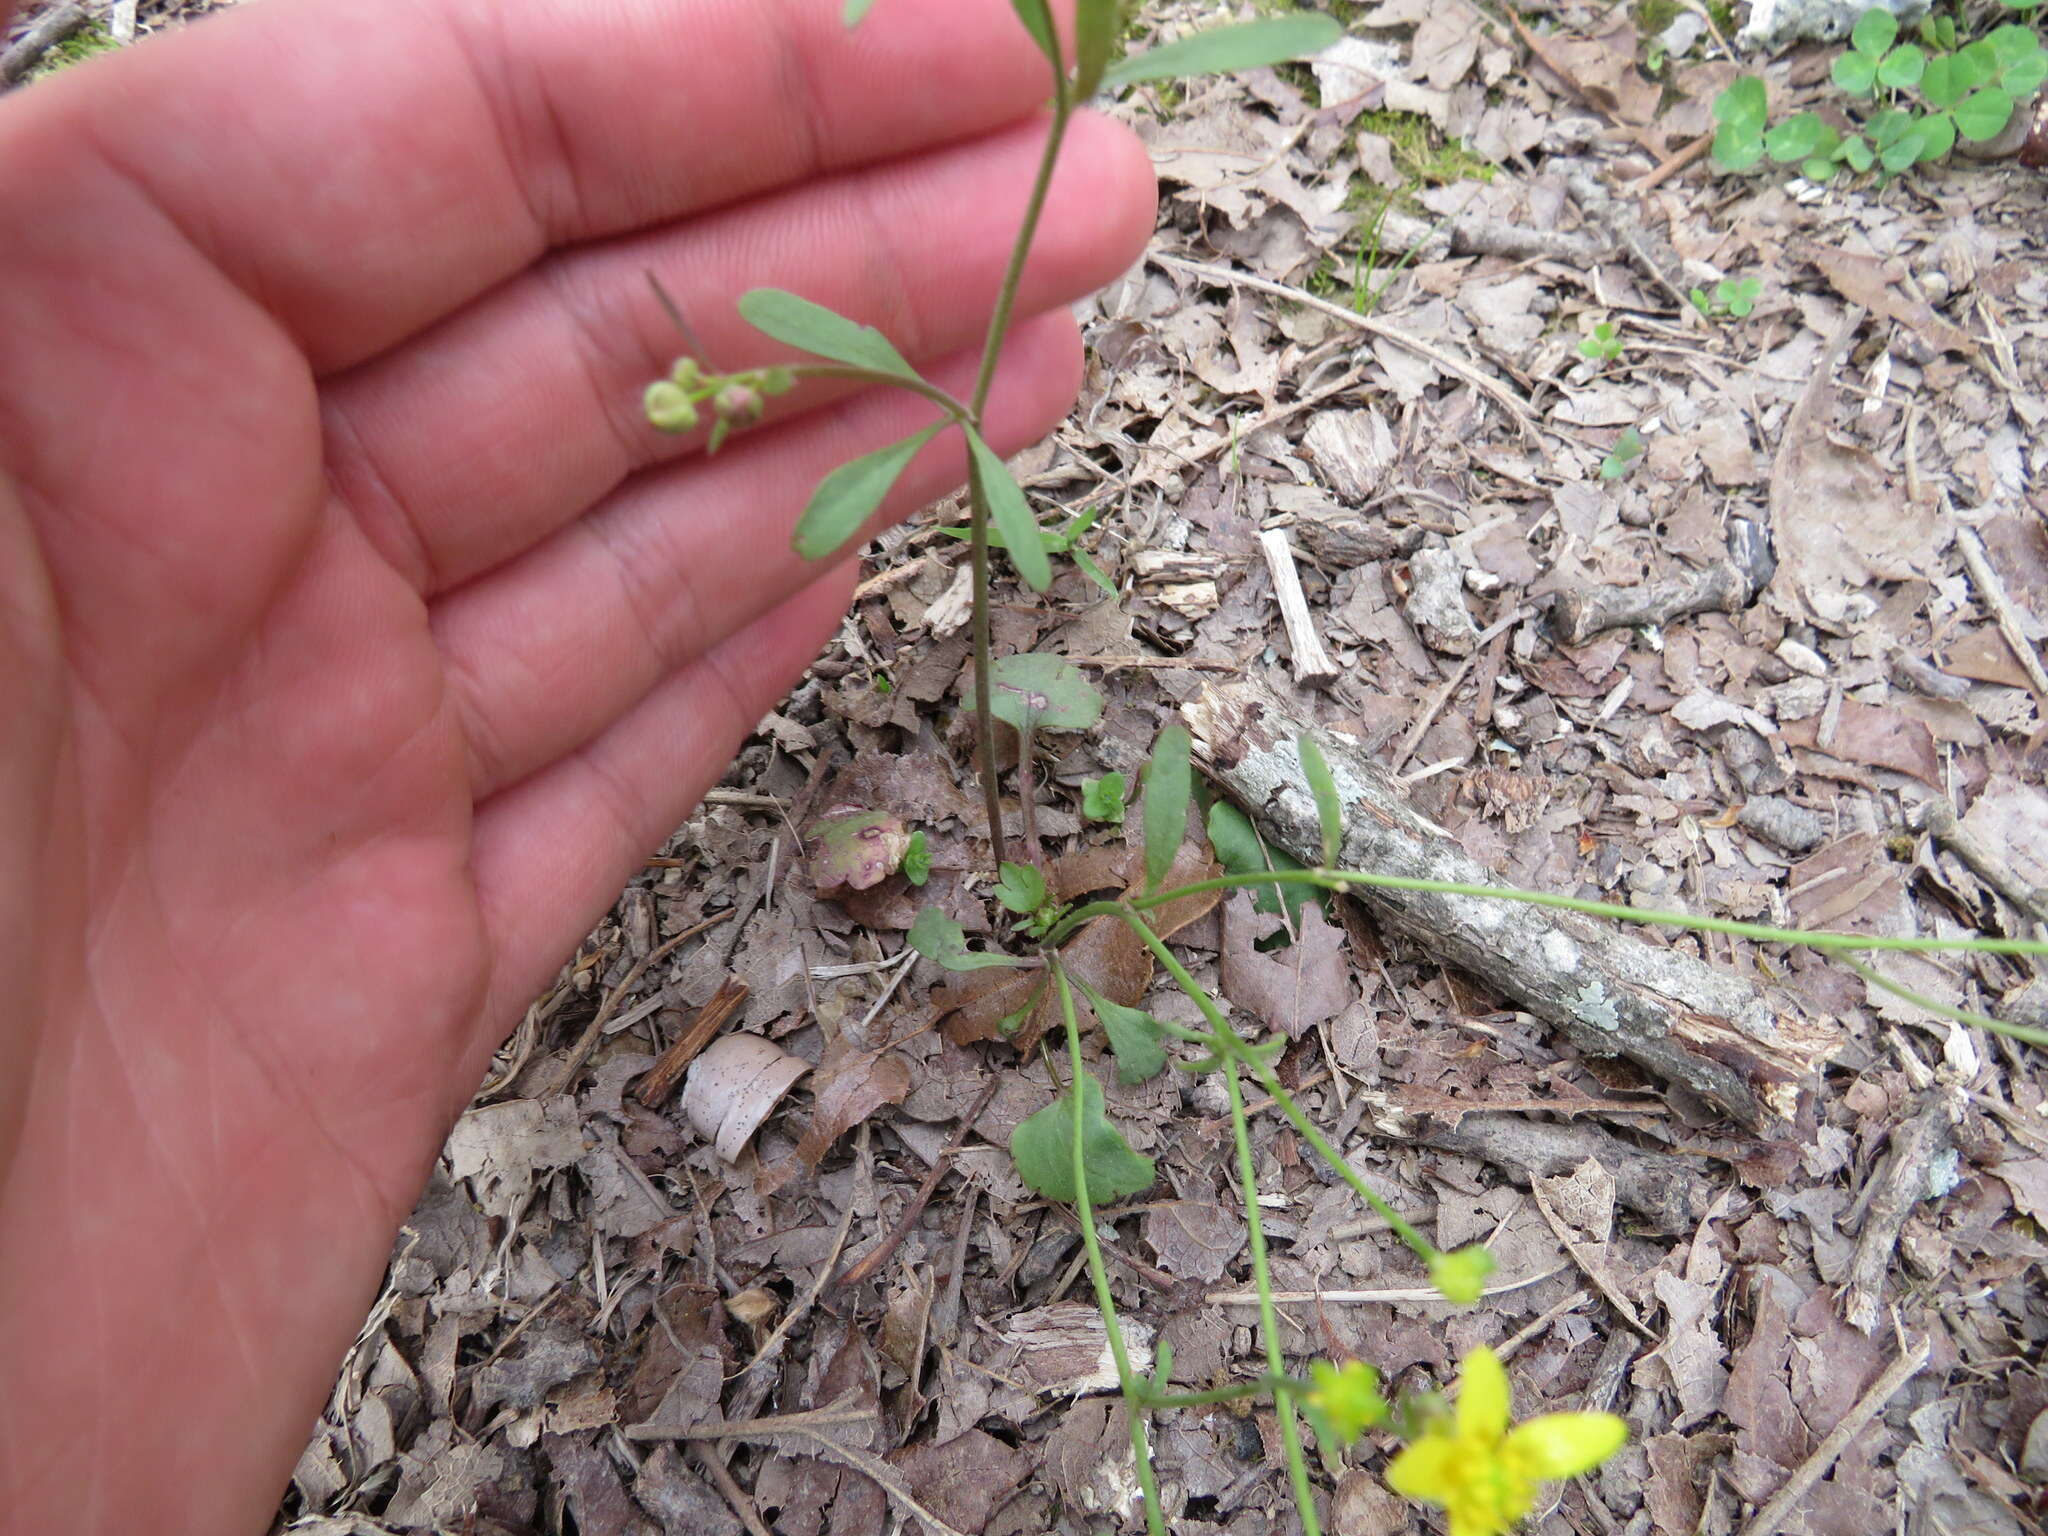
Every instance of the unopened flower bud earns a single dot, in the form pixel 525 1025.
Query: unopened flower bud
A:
pixel 688 372
pixel 736 400
pixel 668 407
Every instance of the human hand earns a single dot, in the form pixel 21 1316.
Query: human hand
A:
pixel 357 639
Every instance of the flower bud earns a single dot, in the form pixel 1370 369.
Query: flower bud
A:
pixel 688 372
pixel 668 407
pixel 736 400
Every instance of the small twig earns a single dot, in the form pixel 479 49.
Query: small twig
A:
pixel 565 1078
pixel 736 1496
pixel 1672 166
pixel 1163 663
pixel 1313 667
pixel 1508 1347
pixel 802 1308
pixel 1450 685
pixel 768 1429
pixel 1917 1147
pixel 864 1267
pixel 1992 590
pixel 1770 1520
pixel 50 29
pixel 656 1088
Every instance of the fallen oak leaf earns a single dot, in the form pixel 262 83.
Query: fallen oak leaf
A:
pixel 850 1085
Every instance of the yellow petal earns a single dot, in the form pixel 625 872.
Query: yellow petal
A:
pixel 1426 1470
pixel 1566 1444
pixel 1482 1395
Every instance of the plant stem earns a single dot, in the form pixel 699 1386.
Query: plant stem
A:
pixel 991 351
pixel 1235 1392
pixel 1262 1280
pixel 944 399
pixel 1226 1042
pixel 1821 939
pixel 1098 1273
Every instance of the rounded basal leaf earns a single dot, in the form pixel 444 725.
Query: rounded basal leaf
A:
pixel 855 848
pixel 917 860
pixel 1799 137
pixel 1937 137
pixel 1855 73
pixel 1021 888
pixel 1875 31
pixel 2025 76
pixel 1977 64
pixel 1889 126
pixel 1742 104
pixel 1943 83
pixel 1983 114
pixel 1103 799
pixel 1737 149
pixel 1902 68
pixel 1218 50
pixel 1819 168
pixel 1011 513
pixel 938 938
pixel 1168 784
pixel 1043 1149
pixel 809 327
pixel 845 499
pixel 1856 153
pixel 1902 153
pixel 1045 692
pixel 2011 43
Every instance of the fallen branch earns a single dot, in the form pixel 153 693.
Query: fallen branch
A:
pixel 1919 1149
pixel 1729 585
pixel 1690 1023
pixel 1667 1191
pixel 50 29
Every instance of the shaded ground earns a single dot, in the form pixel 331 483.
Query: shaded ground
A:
pixel 1356 332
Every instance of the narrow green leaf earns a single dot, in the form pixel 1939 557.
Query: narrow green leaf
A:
pixel 1046 691
pixel 1096 26
pixel 1011 512
pixel 1093 571
pixel 1329 808
pixel 845 499
pixel 1037 19
pixel 1875 31
pixel 1043 1150
pixel 1218 50
pixel 1168 784
pixel 813 328
pixel 1134 1037
pixel 937 937
pixel 1021 888
pixel 1240 852
pixel 1983 114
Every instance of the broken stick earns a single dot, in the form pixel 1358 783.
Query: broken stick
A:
pixel 1690 1023
pixel 1312 665
pixel 1729 585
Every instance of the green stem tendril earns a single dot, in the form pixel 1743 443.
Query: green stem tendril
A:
pixel 1134 1390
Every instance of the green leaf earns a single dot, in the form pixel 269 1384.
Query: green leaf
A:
pixel 1740 294
pixel 1979 63
pixel 1627 449
pixel 1855 73
pixel 1134 1037
pixel 1043 1150
pixel 1799 137
pixel 2012 42
pixel 1856 151
pixel 1743 105
pixel 1240 852
pixel 1903 152
pixel 1168 784
pixel 938 938
pixel 1011 512
pixel 1875 31
pixel 917 859
pixel 1819 168
pixel 1093 571
pixel 1037 19
pixel 1889 126
pixel 1983 114
pixel 1461 1276
pixel 1218 50
pixel 855 10
pixel 1699 302
pixel 1902 68
pixel 2024 77
pixel 1937 137
pixel 1021 888
pixel 1329 808
pixel 1737 149
pixel 813 328
pixel 1943 83
pixel 1042 691
pixel 1103 799
pixel 845 499
pixel 1096 25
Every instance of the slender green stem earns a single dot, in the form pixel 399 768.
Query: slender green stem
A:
pixel 1227 1042
pixel 944 399
pixel 1821 939
pixel 991 352
pixel 1262 1281
pixel 1947 1010
pixel 1236 1392
pixel 1134 1390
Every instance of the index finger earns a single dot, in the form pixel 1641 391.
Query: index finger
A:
pixel 363 168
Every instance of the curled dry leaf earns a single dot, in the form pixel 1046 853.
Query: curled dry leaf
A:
pixel 850 1085
pixel 733 1086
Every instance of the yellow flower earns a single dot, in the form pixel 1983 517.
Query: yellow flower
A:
pixel 1484 1473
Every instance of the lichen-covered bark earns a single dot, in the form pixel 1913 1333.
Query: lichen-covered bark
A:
pixel 1615 994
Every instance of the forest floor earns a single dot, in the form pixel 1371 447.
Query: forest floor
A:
pixel 1361 322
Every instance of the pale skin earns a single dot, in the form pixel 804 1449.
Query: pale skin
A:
pixel 358 641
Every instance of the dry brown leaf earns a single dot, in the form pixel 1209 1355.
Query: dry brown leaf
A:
pixel 1869 281
pixel 963 1480
pixel 1194 1239
pixel 1292 989
pixel 1871 734
pixel 850 1084
pixel 734 1086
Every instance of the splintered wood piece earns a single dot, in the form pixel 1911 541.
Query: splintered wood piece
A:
pixel 1312 665
pixel 659 1085
pixel 1702 1026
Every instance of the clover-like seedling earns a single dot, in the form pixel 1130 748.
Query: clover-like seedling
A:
pixel 1622 457
pixel 1603 346
pixel 1731 296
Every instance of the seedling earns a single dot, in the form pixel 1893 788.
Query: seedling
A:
pixel 1103 799
pixel 1622 457
pixel 1730 296
pixel 1603 346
